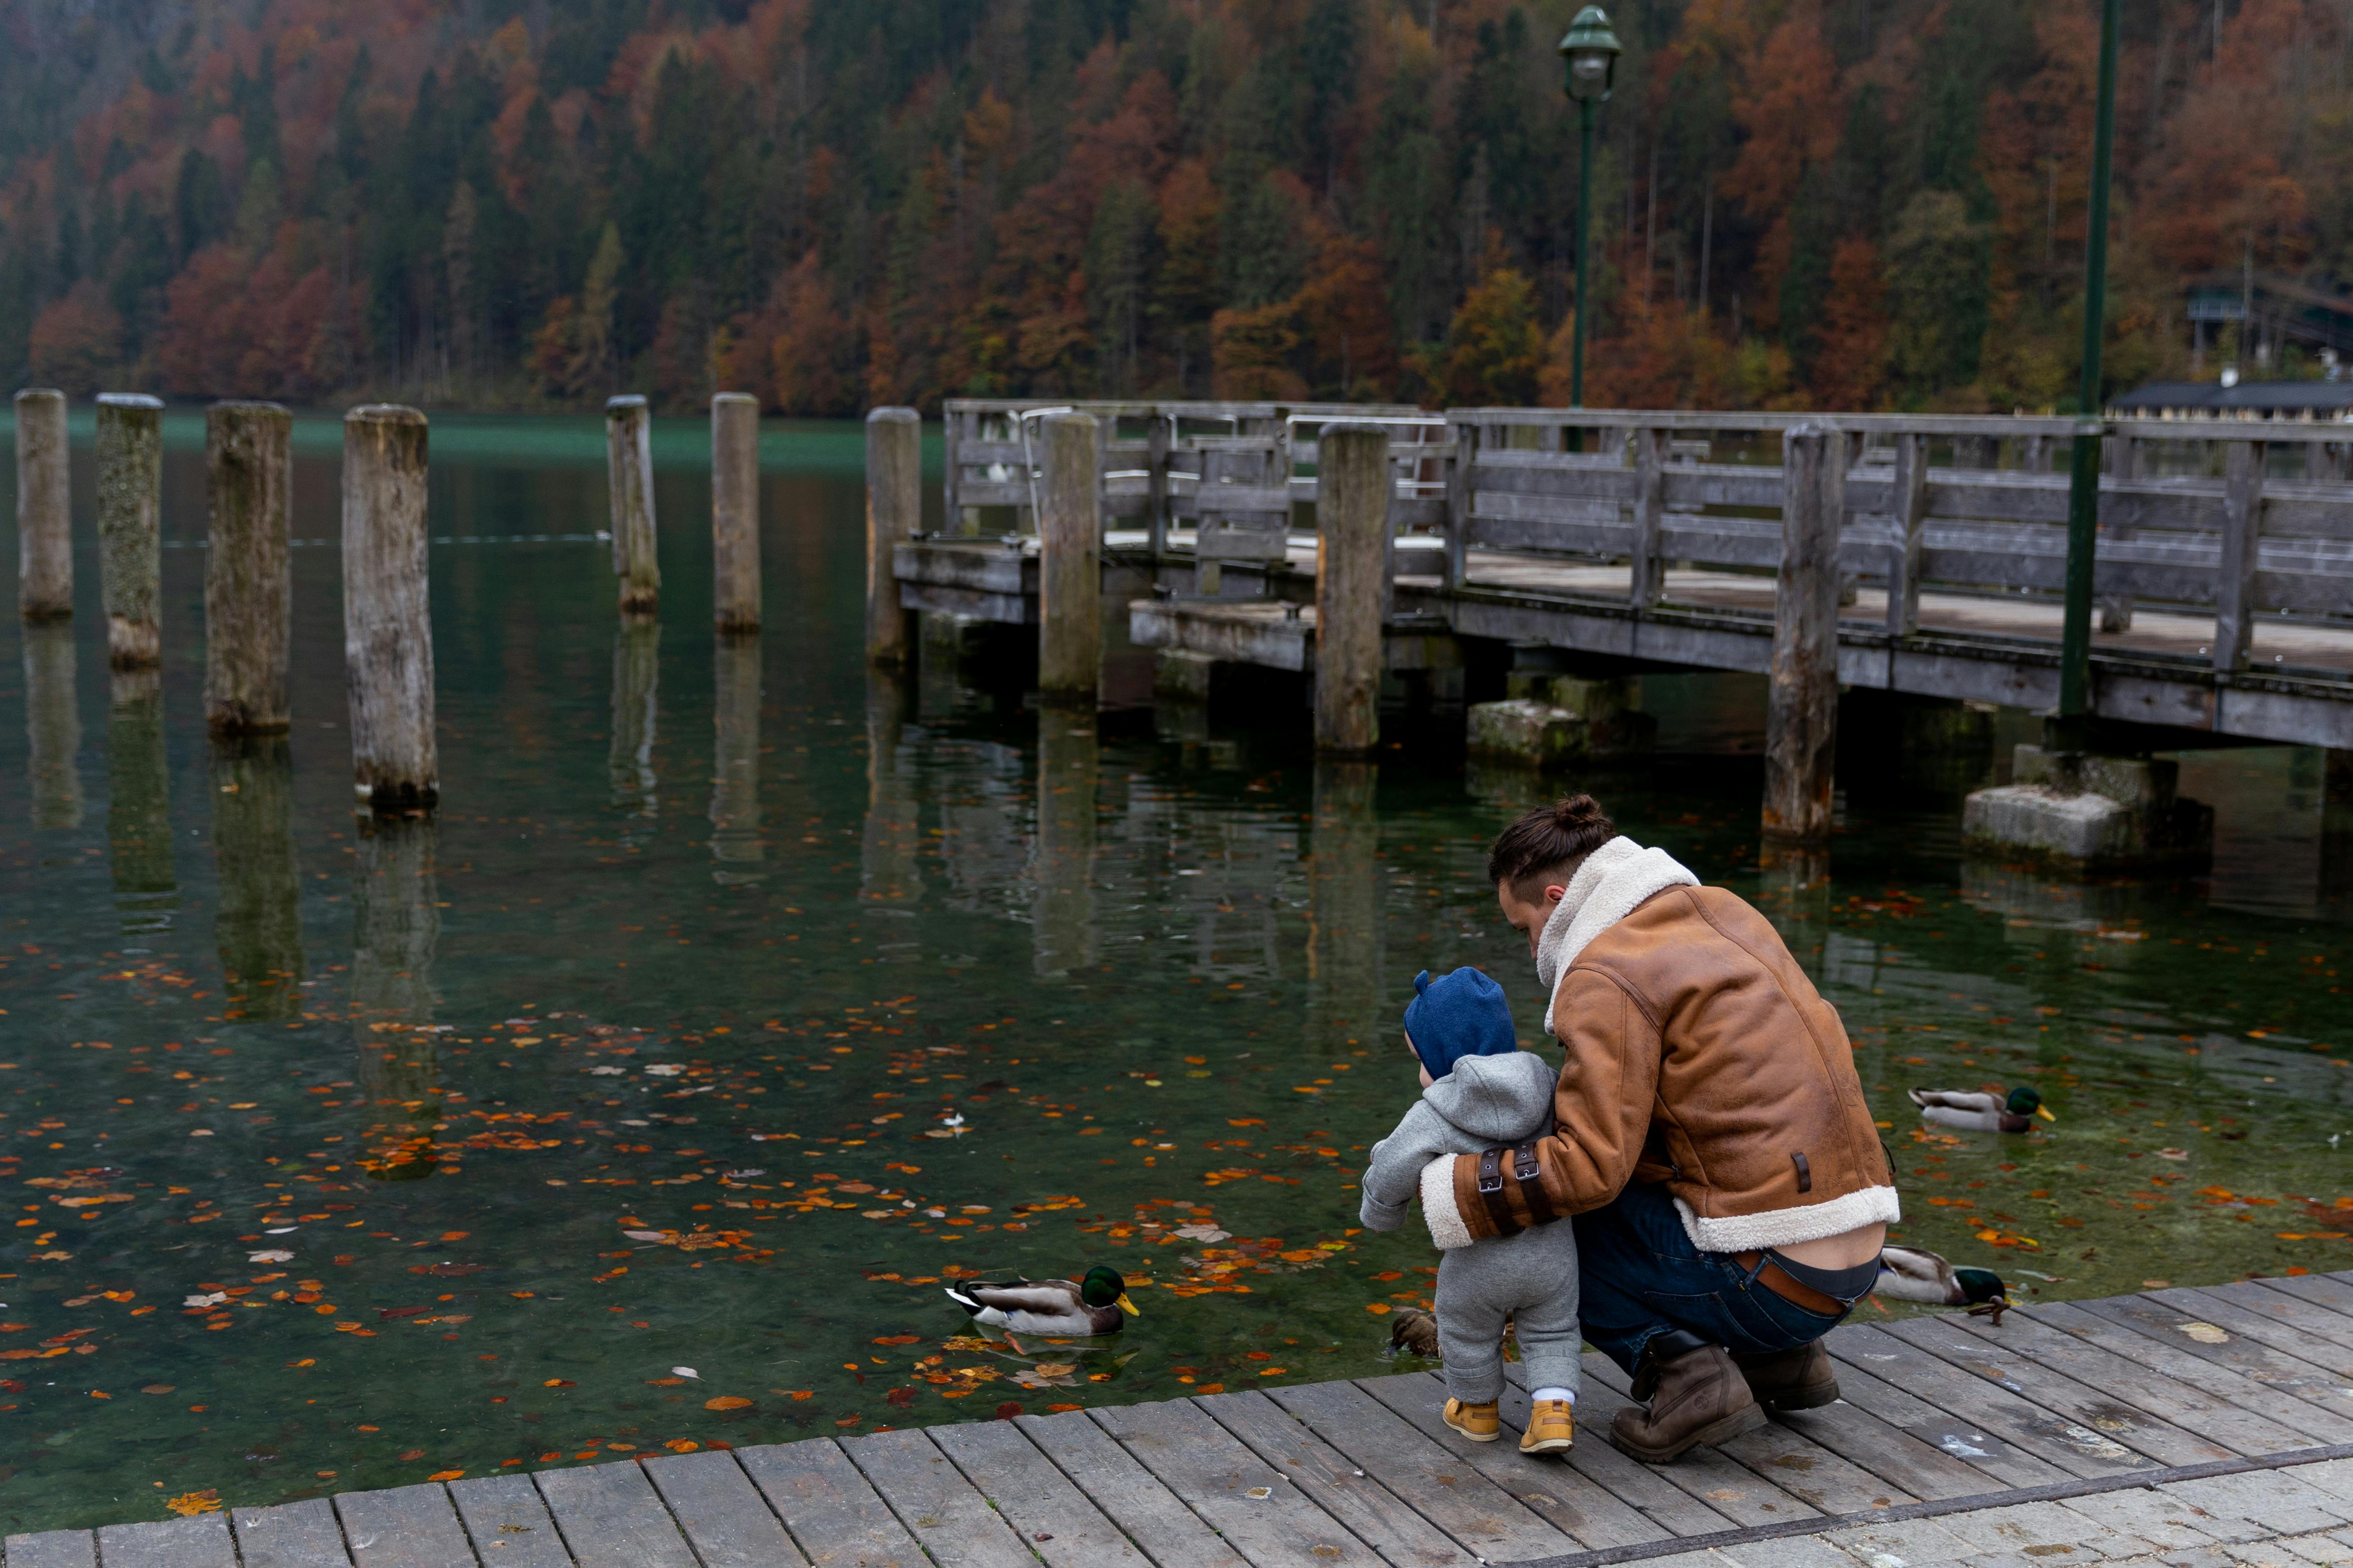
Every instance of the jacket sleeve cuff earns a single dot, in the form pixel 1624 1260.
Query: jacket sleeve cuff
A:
pixel 1378 1216
pixel 1439 1210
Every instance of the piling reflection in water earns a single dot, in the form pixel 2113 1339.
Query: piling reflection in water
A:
pixel 395 928
pixel 52 727
pixel 637 669
pixel 1793 889
pixel 1062 899
pixel 1344 944
pixel 735 760
pixel 139 804
pixel 258 924
pixel 887 870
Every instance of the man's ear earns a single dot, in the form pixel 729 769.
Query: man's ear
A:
pixel 1555 892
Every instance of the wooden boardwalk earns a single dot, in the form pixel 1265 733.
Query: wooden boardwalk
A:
pixel 2187 1426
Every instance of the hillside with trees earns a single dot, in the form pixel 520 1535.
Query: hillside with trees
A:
pixel 1849 204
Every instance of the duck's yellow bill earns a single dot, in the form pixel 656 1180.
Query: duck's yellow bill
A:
pixel 2044 1113
pixel 1127 1306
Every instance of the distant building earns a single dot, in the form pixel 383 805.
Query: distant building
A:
pixel 2271 310
pixel 2308 400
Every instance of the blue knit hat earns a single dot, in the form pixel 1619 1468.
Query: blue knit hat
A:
pixel 1459 1014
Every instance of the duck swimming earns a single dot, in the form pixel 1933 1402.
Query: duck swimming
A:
pixel 1916 1274
pixel 1057 1309
pixel 1981 1111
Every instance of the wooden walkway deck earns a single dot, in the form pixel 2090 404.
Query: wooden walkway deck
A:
pixel 2187 1426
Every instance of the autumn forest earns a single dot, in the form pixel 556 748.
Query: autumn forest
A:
pixel 1846 204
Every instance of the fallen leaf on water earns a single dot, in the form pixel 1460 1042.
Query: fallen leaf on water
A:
pixel 1203 1233
pixel 213 1298
pixel 445 1476
pixel 727 1402
pixel 2173 1154
pixel 190 1504
pixel 665 1069
pixel 643 1235
pixel 681 1445
pixel 273 1255
pixel 684 1372
pixel 157 1388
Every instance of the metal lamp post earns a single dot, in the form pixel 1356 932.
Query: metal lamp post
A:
pixel 1591 50
pixel 2084 492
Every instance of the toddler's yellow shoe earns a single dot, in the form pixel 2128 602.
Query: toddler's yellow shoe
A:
pixel 1476 1422
pixel 1552 1428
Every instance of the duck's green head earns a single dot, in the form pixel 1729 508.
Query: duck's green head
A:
pixel 1980 1285
pixel 2024 1101
pixel 1102 1287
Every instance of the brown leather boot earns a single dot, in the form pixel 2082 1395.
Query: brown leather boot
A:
pixel 1801 1379
pixel 1697 1397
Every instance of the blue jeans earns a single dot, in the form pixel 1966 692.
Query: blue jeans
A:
pixel 1642 1277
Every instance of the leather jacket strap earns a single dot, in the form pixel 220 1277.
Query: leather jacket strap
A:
pixel 1491 1190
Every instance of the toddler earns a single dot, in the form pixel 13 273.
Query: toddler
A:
pixel 1481 1091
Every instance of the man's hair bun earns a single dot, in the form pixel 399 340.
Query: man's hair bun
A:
pixel 1547 839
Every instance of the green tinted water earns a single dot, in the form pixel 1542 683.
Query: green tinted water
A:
pixel 834 990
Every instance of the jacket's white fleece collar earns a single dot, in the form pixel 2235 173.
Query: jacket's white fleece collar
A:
pixel 1612 882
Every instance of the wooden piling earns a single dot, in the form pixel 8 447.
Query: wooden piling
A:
pixel 1801 714
pixel 1069 562
pixel 629 476
pixel 894 478
pixel 736 511
pixel 388 626
pixel 1352 537
pixel 43 516
pixel 131 527
pixel 2242 526
pixel 249 581
pixel 52 728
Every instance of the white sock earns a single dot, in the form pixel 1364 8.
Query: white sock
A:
pixel 1540 1394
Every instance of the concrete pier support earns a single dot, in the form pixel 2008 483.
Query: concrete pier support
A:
pixel 1801 713
pixel 1352 570
pixel 388 623
pixel 629 478
pixel 52 728
pixel 894 510
pixel 736 847
pixel 131 527
pixel 736 511
pixel 44 510
pixel 249 578
pixel 1550 720
pixel 636 709
pixel 1179 675
pixel 139 806
pixel 1062 899
pixel 2083 814
pixel 257 926
pixel 1069 562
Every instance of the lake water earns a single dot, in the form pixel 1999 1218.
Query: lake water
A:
pixel 833 989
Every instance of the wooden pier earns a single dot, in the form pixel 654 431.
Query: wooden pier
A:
pixel 2182 1427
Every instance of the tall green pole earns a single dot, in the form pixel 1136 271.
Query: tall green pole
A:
pixel 2084 492
pixel 1584 234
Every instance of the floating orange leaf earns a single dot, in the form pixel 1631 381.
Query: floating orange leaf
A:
pixel 187 1505
pixel 727 1402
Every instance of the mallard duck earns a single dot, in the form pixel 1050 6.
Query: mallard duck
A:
pixel 1916 1274
pixel 1057 1309
pixel 1981 1111
pixel 1415 1332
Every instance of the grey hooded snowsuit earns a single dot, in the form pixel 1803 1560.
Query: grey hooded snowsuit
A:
pixel 1531 1276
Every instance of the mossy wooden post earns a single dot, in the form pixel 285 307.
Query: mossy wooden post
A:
pixel 629 475
pixel 1352 530
pixel 131 527
pixel 258 924
pixel 388 626
pixel 894 501
pixel 1069 562
pixel 735 841
pixel 736 511
pixel 44 518
pixel 248 582
pixel 52 728
pixel 1801 712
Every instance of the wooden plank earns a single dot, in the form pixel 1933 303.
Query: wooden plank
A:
pixel 2327 1290
pixel 932 1499
pixel 833 1514
pixel 1706 1474
pixel 1374 1513
pixel 1566 1495
pixel 611 1518
pixel 2185 1405
pixel 291 1535
pixel 2093 1410
pixel 403 1527
pixel 1216 1476
pixel 2320 1321
pixel 2293 1328
pixel 2239 1369
pixel 1971 1443
pixel 1126 1492
pixel 51 1548
pixel 722 1513
pixel 1999 1408
pixel 1051 1515
pixel 1485 1518
pixel 1905 1462
pixel 509 1523
pixel 200 1543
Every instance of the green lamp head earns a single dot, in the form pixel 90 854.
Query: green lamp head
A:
pixel 1590 49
